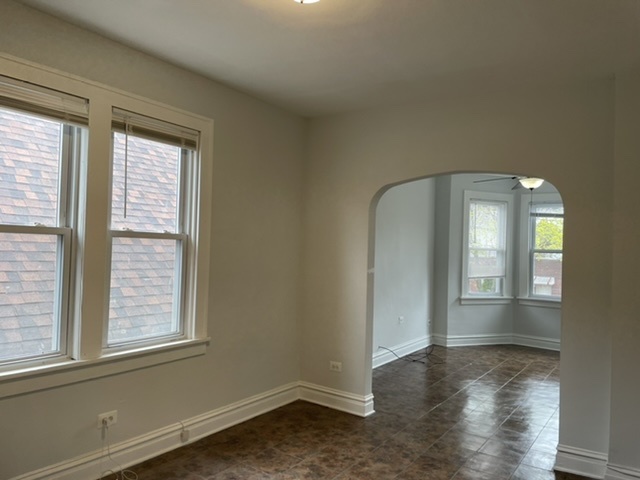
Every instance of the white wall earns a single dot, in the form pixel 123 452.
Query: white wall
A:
pixel 443 261
pixel 256 232
pixel 404 256
pixel 625 387
pixel 552 133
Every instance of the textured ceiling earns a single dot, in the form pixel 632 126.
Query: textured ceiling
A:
pixel 338 55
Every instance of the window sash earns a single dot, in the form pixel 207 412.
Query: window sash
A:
pixel 33 101
pixel 485 243
pixel 151 129
pixel 536 212
pixel 61 291
pixel 180 326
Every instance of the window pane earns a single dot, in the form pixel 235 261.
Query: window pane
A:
pixel 486 263
pixel 485 286
pixel 148 200
pixel 548 233
pixel 547 274
pixel 142 303
pixel 28 295
pixel 29 169
pixel 487 225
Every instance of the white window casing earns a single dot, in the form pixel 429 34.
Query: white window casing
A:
pixel 492 240
pixel 83 222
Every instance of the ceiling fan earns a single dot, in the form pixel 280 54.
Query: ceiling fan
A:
pixel 530 183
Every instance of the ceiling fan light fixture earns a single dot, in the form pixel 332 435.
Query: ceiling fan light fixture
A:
pixel 531 183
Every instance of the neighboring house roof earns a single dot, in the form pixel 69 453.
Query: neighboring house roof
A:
pixel 142 280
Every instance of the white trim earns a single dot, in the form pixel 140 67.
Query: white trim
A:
pixel 581 462
pixel 496 339
pixel 524 246
pixel 439 339
pixel 152 444
pixel 489 197
pixel 91 278
pixel 479 300
pixel 537 342
pixel 66 372
pixel 136 450
pixel 471 340
pixel 618 472
pixel 540 302
pixel 382 356
pixel 359 405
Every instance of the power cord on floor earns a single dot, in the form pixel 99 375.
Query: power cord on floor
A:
pixel 120 473
pixel 418 357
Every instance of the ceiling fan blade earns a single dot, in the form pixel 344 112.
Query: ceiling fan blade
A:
pixel 494 179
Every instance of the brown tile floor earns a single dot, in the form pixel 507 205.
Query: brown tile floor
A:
pixel 466 413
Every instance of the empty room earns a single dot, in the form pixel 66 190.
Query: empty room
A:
pixel 222 220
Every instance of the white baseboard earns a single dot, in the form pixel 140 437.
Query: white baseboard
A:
pixel 537 342
pixel 439 339
pixel 618 472
pixel 496 339
pixel 152 444
pixel 359 405
pixel 471 340
pixel 382 356
pixel 157 442
pixel 581 462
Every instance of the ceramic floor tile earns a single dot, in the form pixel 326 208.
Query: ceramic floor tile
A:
pixel 460 413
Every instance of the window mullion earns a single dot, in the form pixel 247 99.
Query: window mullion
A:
pixel 91 302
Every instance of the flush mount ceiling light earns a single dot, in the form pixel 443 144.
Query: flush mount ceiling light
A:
pixel 306 1
pixel 530 182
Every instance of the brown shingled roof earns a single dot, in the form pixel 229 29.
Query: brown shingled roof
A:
pixel 142 281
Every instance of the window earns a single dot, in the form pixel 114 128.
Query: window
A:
pixel 545 252
pixel 486 237
pixel 104 231
pixel 152 164
pixel 39 154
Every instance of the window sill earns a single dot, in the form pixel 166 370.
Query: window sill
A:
pixel 485 300
pixel 65 372
pixel 539 302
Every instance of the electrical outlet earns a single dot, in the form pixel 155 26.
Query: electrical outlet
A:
pixel 400 320
pixel 107 419
pixel 335 366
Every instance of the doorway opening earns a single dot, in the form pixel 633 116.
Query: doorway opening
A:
pixel 432 285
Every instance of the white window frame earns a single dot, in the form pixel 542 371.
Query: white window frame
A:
pixel 525 297
pixel 468 298
pixel 86 358
pixel 71 113
pixel 188 180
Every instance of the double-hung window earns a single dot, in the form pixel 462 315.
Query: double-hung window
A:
pixel 104 231
pixel 486 238
pixel 42 139
pixel 546 222
pixel 152 207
